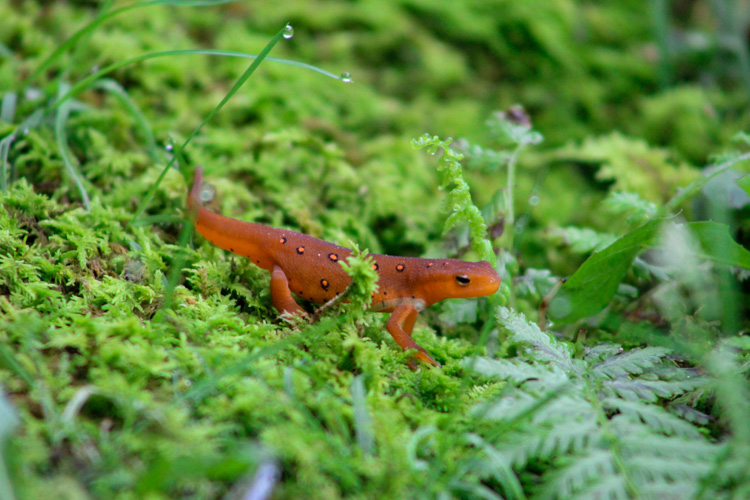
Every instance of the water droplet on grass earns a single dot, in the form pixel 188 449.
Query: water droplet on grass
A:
pixel 534 201
pixel 288 31
pixel 207 194
pixel 346 77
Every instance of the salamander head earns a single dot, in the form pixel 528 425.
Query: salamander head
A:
pixel 458 279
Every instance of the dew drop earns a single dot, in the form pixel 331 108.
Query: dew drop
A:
pixel 288 31
pixel 207 194
pixel 169 147
pixel 346 77
pixel 534 201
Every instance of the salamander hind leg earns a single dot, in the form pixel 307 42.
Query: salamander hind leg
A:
pixel 281 296
pixel 399 325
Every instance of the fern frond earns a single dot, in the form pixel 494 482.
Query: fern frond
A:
pixel 601 352
pixel 667 490
pixel 655 417
pixel 546 348
pixel 581 240
pixel 516 371
pixel 610 487
pixel 596 427
pixel 631 204
pixel 632 362
pixel 650 469
pixel 642 443
pixel 547 442
pixel 649 390
pixel 577 473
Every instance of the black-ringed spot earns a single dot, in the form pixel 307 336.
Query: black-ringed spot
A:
pixel 300 250
pixel 430 264
pixel 400 268
pixel 324 283
pixel 334 257
pixel 375 266
pixel 282 240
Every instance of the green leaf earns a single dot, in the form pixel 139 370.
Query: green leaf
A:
pixel 744 183
pixel 591 288
pixel 594 284
pixel 717 244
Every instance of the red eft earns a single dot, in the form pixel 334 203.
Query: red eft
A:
pixel 310 268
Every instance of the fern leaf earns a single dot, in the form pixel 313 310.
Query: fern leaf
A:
pixel 686 448
pixel 655 417
pixel 516 371
pixel 601 352
pixel 582 240
pixel 650 390
pixel 545 347
pixel 610 487
pixel 579 472
pixel 545 442
pixel 632 362
pixel 650 469
pixel 572 437
pixel 638 209
pixel 666 490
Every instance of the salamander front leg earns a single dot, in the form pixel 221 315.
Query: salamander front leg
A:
pixel 400 325
pixel 281 296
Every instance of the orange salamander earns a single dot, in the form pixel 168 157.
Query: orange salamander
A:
pixel 310 268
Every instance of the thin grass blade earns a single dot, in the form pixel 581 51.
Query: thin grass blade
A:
pixel 104 16
pixel 248 72
pixel 121 95
pixel 62 143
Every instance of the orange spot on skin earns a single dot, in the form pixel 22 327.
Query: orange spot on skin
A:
pixel 324 283
pixel 400 268
pixel 375 266
pixel 333 257
pixel 282 240
pixel 300 250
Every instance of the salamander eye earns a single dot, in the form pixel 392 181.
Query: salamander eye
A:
pixel 463 280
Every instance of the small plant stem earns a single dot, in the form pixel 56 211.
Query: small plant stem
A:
pixel 697 184
pixel 509 209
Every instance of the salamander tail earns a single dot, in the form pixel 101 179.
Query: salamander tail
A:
pixel 194 198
